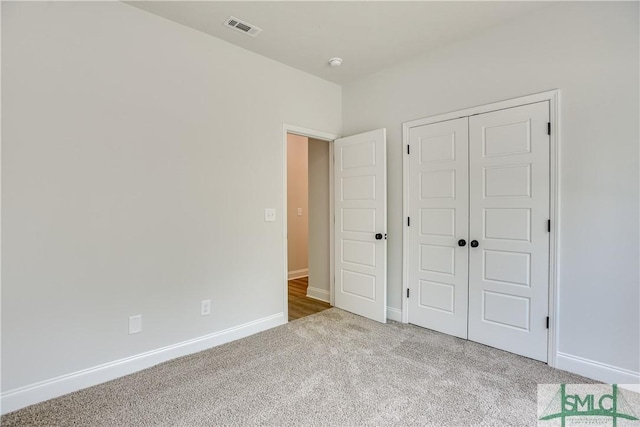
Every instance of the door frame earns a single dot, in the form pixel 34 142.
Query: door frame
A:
pixel 553 96
pixel 324 136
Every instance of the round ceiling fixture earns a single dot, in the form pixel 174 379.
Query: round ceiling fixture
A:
pixel 335 62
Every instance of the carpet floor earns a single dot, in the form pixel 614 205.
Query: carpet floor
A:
pixel 331 368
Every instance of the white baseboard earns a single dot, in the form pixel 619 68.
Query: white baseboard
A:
pixel 296 274
pixel 597 370
pixel 317 293
pixel 48 389
pixel 394 314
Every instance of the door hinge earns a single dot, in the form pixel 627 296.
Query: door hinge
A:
pixel 408 221
pixel 549 225
pixel 549 128
pixel 407 292
pixel 408 149
pixel 547 322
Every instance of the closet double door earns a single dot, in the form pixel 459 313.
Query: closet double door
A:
pixel 478 199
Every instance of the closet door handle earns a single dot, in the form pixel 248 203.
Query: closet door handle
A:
pixel 474 243
pixel 462 242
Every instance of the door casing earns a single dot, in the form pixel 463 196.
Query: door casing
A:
pixel 553 96
pixel 315 134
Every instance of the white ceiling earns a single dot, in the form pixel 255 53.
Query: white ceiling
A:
pixel 368 36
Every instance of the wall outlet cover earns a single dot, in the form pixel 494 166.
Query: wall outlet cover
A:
pixel 205 307
pixel 135 324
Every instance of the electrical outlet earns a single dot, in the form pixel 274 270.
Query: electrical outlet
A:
pixel 299 211
pixel 135 324
pixel 205 307
pixel 269 214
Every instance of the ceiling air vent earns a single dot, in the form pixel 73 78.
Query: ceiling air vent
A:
pixel 243 27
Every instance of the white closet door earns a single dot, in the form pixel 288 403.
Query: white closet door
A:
pixel 361 224
pixel 508 211
pixel 438 209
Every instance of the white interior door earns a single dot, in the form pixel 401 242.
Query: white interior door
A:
pixel 508 211
pixel 361 224
pixel 438 229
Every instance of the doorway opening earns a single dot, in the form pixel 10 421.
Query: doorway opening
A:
pixel 357 223
pixel 308 198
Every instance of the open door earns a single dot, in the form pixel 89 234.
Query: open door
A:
pixel 361 224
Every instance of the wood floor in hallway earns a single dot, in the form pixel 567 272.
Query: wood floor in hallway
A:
pixel 300 305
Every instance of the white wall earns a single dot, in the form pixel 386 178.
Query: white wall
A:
pixel 319 220
pixel 138 158
pixel 590 52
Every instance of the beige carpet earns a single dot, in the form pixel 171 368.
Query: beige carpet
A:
pixel 332 368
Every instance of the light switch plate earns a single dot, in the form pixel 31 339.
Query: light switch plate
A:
pixel 269 214
pixel 299 211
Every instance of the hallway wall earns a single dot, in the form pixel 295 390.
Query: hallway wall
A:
pixel 297 198
pixel 319 217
